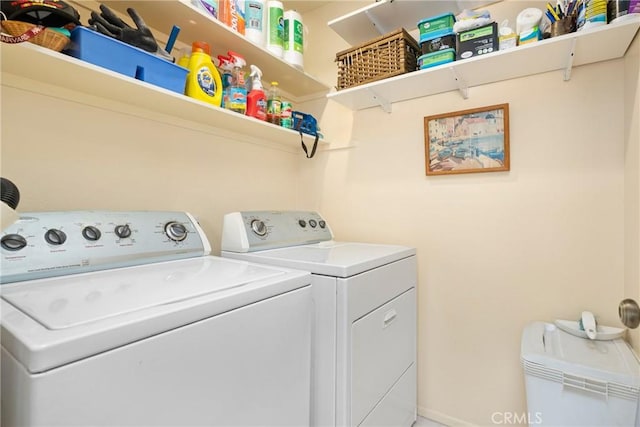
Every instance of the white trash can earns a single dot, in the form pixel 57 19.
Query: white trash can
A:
pixel 573 381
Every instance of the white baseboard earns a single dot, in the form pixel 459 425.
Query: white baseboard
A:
pixel 441 418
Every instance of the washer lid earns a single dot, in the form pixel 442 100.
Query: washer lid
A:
pixel 47 323
pixel 331 258
pixel 66 302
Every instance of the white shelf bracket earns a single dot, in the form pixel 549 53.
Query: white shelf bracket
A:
pixel 375 22
pixel 567 69
pixel 461 83
pixel 382 102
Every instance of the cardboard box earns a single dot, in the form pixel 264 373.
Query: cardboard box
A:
pixel 477 41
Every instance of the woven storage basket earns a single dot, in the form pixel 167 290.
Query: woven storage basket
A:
pixel 48 38
pixel 389 55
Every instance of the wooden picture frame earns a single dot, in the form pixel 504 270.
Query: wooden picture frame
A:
pixel 475 140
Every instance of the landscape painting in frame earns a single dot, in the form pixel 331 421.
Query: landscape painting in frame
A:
pixel 475 140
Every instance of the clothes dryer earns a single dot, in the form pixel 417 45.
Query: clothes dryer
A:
pixel 364 329
pixel 122 318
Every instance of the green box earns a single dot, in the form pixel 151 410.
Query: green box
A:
pixel 436 23
pixel 436 58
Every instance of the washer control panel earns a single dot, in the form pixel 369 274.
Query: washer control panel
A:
pixel 258 230
pixel 46 244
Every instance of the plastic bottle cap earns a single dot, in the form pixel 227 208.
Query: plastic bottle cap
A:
pixel 201 47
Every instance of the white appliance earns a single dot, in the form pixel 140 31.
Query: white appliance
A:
pixel 574 381
pixel 122 318
pixel 364 329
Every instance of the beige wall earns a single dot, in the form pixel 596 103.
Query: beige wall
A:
pixel 75 156
pixel 632 179
pixel 496 251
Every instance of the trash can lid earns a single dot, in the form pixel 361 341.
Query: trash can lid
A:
pixel 610 361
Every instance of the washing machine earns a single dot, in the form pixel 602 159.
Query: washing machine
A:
pixel 122 318
pixel 364 327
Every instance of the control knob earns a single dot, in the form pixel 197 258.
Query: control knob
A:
pixel 13 242
pixel 91 233
pixel 259 227
pixel 54 236
pixel 176 231
pixel 123 231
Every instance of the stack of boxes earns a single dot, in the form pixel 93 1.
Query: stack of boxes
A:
pixel 437 40
pixel 440 44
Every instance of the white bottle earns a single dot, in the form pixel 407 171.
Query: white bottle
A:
pixel 293 39
pixel 255 21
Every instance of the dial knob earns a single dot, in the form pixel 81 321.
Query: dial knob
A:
pixel 176 231
pixel 13 242
pixel 91 233
pixel 322 224
pixel 313 223
pixel 54 236
pixel 123 231
pixel 259 227
pixel 302 223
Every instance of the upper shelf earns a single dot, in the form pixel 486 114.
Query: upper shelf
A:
pixel 195 24
pixel 558 53
pixel 36 69
pixel 385 16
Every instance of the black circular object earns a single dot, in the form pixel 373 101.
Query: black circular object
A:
pixel 48 13
pixel 9 193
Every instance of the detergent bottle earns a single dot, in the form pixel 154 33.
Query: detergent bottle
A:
pixel 184 56
pixel 235 96
pixel 203 80
pixel 256 100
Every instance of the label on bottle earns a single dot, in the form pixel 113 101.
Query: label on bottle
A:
pixel 253 19
pixel 206 82
pixel 298 38
pixel 276 27
pixel 236 99
pixel 286 118
pixel 261 109
pixel 273 111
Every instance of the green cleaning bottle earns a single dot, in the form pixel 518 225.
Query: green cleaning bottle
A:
pixel 203 80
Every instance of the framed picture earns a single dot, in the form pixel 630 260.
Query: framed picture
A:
pixel 475 140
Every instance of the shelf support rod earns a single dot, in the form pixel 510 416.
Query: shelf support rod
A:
pixel 461 83
pixel 567 69
pixel 382 102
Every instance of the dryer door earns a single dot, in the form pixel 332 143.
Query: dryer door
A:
pixel 383 348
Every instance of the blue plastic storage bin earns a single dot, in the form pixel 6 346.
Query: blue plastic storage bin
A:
pixel 104 51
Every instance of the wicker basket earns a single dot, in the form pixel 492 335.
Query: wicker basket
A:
pixel 389 55
pixel 48 38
